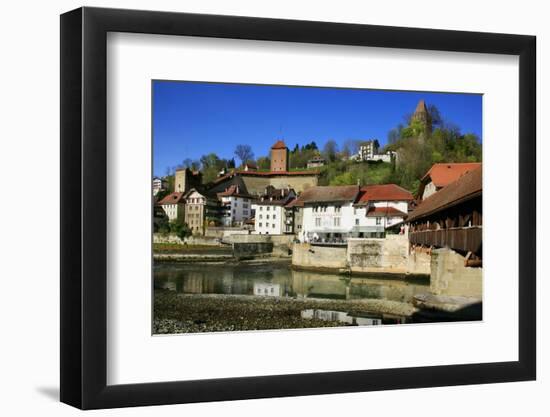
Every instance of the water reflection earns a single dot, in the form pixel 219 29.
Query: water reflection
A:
pixel 349 320
pixel 276 280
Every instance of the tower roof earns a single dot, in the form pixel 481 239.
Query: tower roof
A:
pixel 421 107
pixel 279 145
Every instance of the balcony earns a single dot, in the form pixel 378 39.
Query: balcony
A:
pixel 465 239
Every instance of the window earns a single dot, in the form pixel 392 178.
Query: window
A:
pixel 267 208
pixel 245 212
pixel 274 217
pixel 378 221
pixel 337 209
pixel 260 216
pixel 261 208
pixel 259 225
pixel 357 222
pixel 267 216
pixel 317 221
pixel 337 221
pixel 273 225
pixel 267 225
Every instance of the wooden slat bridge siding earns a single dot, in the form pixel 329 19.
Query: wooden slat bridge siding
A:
pixel 464 239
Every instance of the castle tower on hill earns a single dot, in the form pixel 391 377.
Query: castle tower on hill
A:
pixel 422 115
pixel 279 157
pixel 187 179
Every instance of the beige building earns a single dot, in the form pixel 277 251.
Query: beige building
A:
pixel 201 210
pixel 174 206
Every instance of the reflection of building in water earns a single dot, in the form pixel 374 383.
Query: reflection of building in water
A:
pixel 267 289
pixel 199 283
pixel 312 284
pixel 169 285
pixel 340 316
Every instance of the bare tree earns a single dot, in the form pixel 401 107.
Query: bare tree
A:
pixel 244 153
pixel 330 150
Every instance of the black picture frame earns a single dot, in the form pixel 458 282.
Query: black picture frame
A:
pixel 84 207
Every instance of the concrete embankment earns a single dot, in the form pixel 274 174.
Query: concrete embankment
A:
pixel 360 256
pixel 207 249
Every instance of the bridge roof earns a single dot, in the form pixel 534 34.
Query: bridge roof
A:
pixel 468 186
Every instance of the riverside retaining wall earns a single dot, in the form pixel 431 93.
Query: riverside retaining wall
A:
pixel 384 256
pixel 450 277
pixel 389 255
pixel 190 240
pixel 305 255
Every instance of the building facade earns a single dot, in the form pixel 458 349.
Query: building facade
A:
pixel 174 206
pixel 269 211
pixel 378 208
pixel 186 179
pixel 316 162
pixel 333 214
pixel 422 115
pixel 201 210
pixel 440 175
pixel 236 206
pixel 159 184
pixel 279 157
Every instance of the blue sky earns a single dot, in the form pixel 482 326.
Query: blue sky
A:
pixel 191 119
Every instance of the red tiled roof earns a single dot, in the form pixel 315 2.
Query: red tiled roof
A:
pixel 385 212
pixel 325 194
pixel 383 192
pixel 466 187
pixel 173 198
pixel 279 145
pixel 233 191
pixel 443 174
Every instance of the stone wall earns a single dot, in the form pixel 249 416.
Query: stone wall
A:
pixel 389 255
pixel 419 261
pixel 257 185
pixel 222 232
pixel 450 277
pixel 245 250
pixel 275 239
pixel 191 240
pixel 309 256
pixel 385 256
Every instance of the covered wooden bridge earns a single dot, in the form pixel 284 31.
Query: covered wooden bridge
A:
pixel 452 218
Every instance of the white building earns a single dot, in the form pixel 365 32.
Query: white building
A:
pixel 269 211
pixel 379 207
pixel 236 206
pixel 368 151
pixel 332 214
pixel 159 184
pixel 174 206
pixel 327 213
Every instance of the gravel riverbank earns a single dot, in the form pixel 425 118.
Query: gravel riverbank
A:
pixel 179 313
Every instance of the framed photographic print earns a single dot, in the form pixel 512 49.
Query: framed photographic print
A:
pixel 258 208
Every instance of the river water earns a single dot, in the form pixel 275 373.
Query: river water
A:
pixel 278 280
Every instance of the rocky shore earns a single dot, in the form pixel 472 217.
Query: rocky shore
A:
pixel 179 313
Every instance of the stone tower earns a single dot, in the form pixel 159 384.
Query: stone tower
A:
pixel 279 157
pixel 422 115
pixel 186 179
